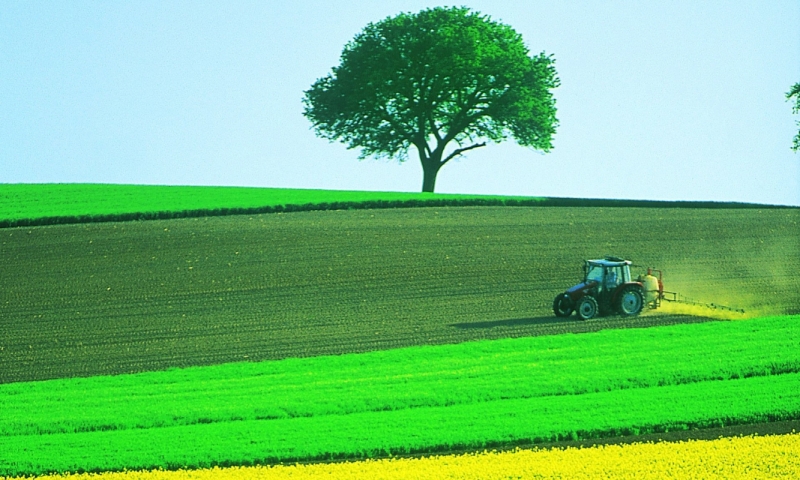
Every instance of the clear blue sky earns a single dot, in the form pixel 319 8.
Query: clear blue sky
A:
pixel 658 100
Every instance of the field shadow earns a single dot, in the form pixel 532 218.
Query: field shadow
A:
pixel 511 322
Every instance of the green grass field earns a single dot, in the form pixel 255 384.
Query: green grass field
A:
pixel 427 429
pixel 477 394
pixel 411 377
pixel 50 204
pixel 86 202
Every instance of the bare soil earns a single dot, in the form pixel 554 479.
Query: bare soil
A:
pixel 771 428
pixel 111 298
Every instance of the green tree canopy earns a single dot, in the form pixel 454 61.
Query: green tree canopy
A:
pixel 794 92
pixel 441 76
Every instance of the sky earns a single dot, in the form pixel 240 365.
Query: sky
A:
pixel 660 100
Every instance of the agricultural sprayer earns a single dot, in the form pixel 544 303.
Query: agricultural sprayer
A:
pixel 608 289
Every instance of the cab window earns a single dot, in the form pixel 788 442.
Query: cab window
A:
pixel 613 277
pixel 595 272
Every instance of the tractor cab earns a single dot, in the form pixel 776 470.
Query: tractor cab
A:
pixel 606 289
pixel 607 274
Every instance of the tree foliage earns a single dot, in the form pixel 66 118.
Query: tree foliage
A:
pixel 794 92
pixel 441 76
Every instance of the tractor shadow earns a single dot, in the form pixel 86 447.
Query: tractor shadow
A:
pixel 511 322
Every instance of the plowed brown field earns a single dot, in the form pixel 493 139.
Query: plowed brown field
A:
pixel 80 300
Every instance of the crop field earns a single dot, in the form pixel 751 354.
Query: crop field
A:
pixel 751 457
pixel 431 376
pixel 478 394
pixel 381 314
pixel 91 299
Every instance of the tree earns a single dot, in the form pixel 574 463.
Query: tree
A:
pixel 443 76
pixel 795 92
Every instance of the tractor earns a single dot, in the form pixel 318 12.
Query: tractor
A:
pixel 607 289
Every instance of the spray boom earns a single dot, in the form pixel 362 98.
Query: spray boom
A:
pixel 655 293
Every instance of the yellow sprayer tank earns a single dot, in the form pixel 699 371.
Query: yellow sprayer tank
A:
pixel 650 284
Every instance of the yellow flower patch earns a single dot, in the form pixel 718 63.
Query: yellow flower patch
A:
pixel 752 457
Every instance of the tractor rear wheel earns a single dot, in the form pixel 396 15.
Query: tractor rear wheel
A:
pixel 587 307
pixel 630 302
pixel 562 306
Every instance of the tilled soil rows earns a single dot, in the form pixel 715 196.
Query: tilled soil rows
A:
pixel 82 300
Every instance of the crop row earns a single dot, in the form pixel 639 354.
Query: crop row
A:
pixel 414 377
pixel 425 429
pixel 773 456
pixel 82 300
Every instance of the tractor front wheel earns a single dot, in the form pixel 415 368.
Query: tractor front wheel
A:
pixel 587 308
pixel 630 302
pixel 562 306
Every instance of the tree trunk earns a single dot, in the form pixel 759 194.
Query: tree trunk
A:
pixel 430 167
pixel 429 179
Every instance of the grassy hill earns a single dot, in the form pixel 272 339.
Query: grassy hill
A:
pixel 49 204
pixel 43 204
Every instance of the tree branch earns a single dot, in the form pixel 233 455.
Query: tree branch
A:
pixel 463 119
pixel 398 127
pixel 459 151
pixel 428 150
pixel 434 128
